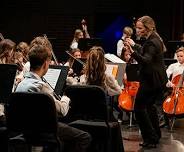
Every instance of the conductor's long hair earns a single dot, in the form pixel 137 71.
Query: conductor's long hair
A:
pixel 95 67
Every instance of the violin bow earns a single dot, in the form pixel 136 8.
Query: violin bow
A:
pixel 75 58
pixel 54 56
pixel 1 36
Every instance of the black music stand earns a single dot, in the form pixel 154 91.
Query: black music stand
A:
pixel 172 46
pixel 7 77
pixel 132 72
pixel 56 77
pixel 77 67
pixel 85 44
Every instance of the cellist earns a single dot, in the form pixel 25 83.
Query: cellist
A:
pixel 174 72
pixel 176 68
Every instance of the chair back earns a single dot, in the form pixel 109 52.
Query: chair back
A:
pixel 31 113
pixel 7 77
pixel 88 102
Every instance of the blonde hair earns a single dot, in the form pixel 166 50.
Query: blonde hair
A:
pixel 76 34
pixel 149 24
pixel 180 49
pixel 128 31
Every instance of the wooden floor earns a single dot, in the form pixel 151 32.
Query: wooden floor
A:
pixel 170 141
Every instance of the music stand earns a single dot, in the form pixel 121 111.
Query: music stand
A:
pixel 120 71
pixel 7 78
pixel 132 72
pixel 77 67
pixel 85 44
pixel 56 77
pixel 172 46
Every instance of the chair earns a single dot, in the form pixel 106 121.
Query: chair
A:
pixel 7 77
pixel 32 118
pixel 89 111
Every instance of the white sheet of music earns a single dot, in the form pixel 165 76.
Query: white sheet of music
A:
pixel 113 58
pixel 109 69
pixel 52 76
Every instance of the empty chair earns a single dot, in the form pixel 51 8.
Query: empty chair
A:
pixel 32 116
pixel 7 77
pixel 90 112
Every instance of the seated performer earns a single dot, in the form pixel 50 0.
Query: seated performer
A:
pixel 40 58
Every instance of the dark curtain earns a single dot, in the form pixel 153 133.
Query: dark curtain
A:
pixel 177 19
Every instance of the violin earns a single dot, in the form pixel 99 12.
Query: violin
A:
pixel 173 104
pixel 127 97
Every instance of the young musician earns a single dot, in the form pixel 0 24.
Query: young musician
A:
pixel 76 54
pixel 79 34
pixel 176 68
pixel 38 40
pixel 7 48
pixel 40 58
pixel 127 32
pixel 153 79
pixel 23 47
pixel 94 73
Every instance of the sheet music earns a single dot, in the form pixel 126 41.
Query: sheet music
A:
pixel 52 76
pixel 111 69
pixel 113 58
pixel 117 70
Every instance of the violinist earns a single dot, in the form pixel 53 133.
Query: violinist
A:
pixel 76 67
pixel 40 58
pixel 152 77
pixel 38 40
pixel 75 54
pixel 127 32
pixel 24 48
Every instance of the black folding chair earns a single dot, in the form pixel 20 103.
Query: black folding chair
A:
pixel 7 77
pixel 89 111
pixel 32 118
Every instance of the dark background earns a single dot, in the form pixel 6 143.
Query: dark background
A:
pixel 22 20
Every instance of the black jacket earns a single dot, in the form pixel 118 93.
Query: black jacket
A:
pixel 151 65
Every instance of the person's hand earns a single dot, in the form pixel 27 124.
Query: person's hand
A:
pixel 130 41
pixel 128 46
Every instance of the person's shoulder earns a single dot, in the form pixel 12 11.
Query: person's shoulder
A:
pixel 173 65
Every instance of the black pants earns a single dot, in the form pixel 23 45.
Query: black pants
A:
pixel 75 140
pixel 146 114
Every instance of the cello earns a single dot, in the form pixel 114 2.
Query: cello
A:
pixel 173 104
pixel 127 97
